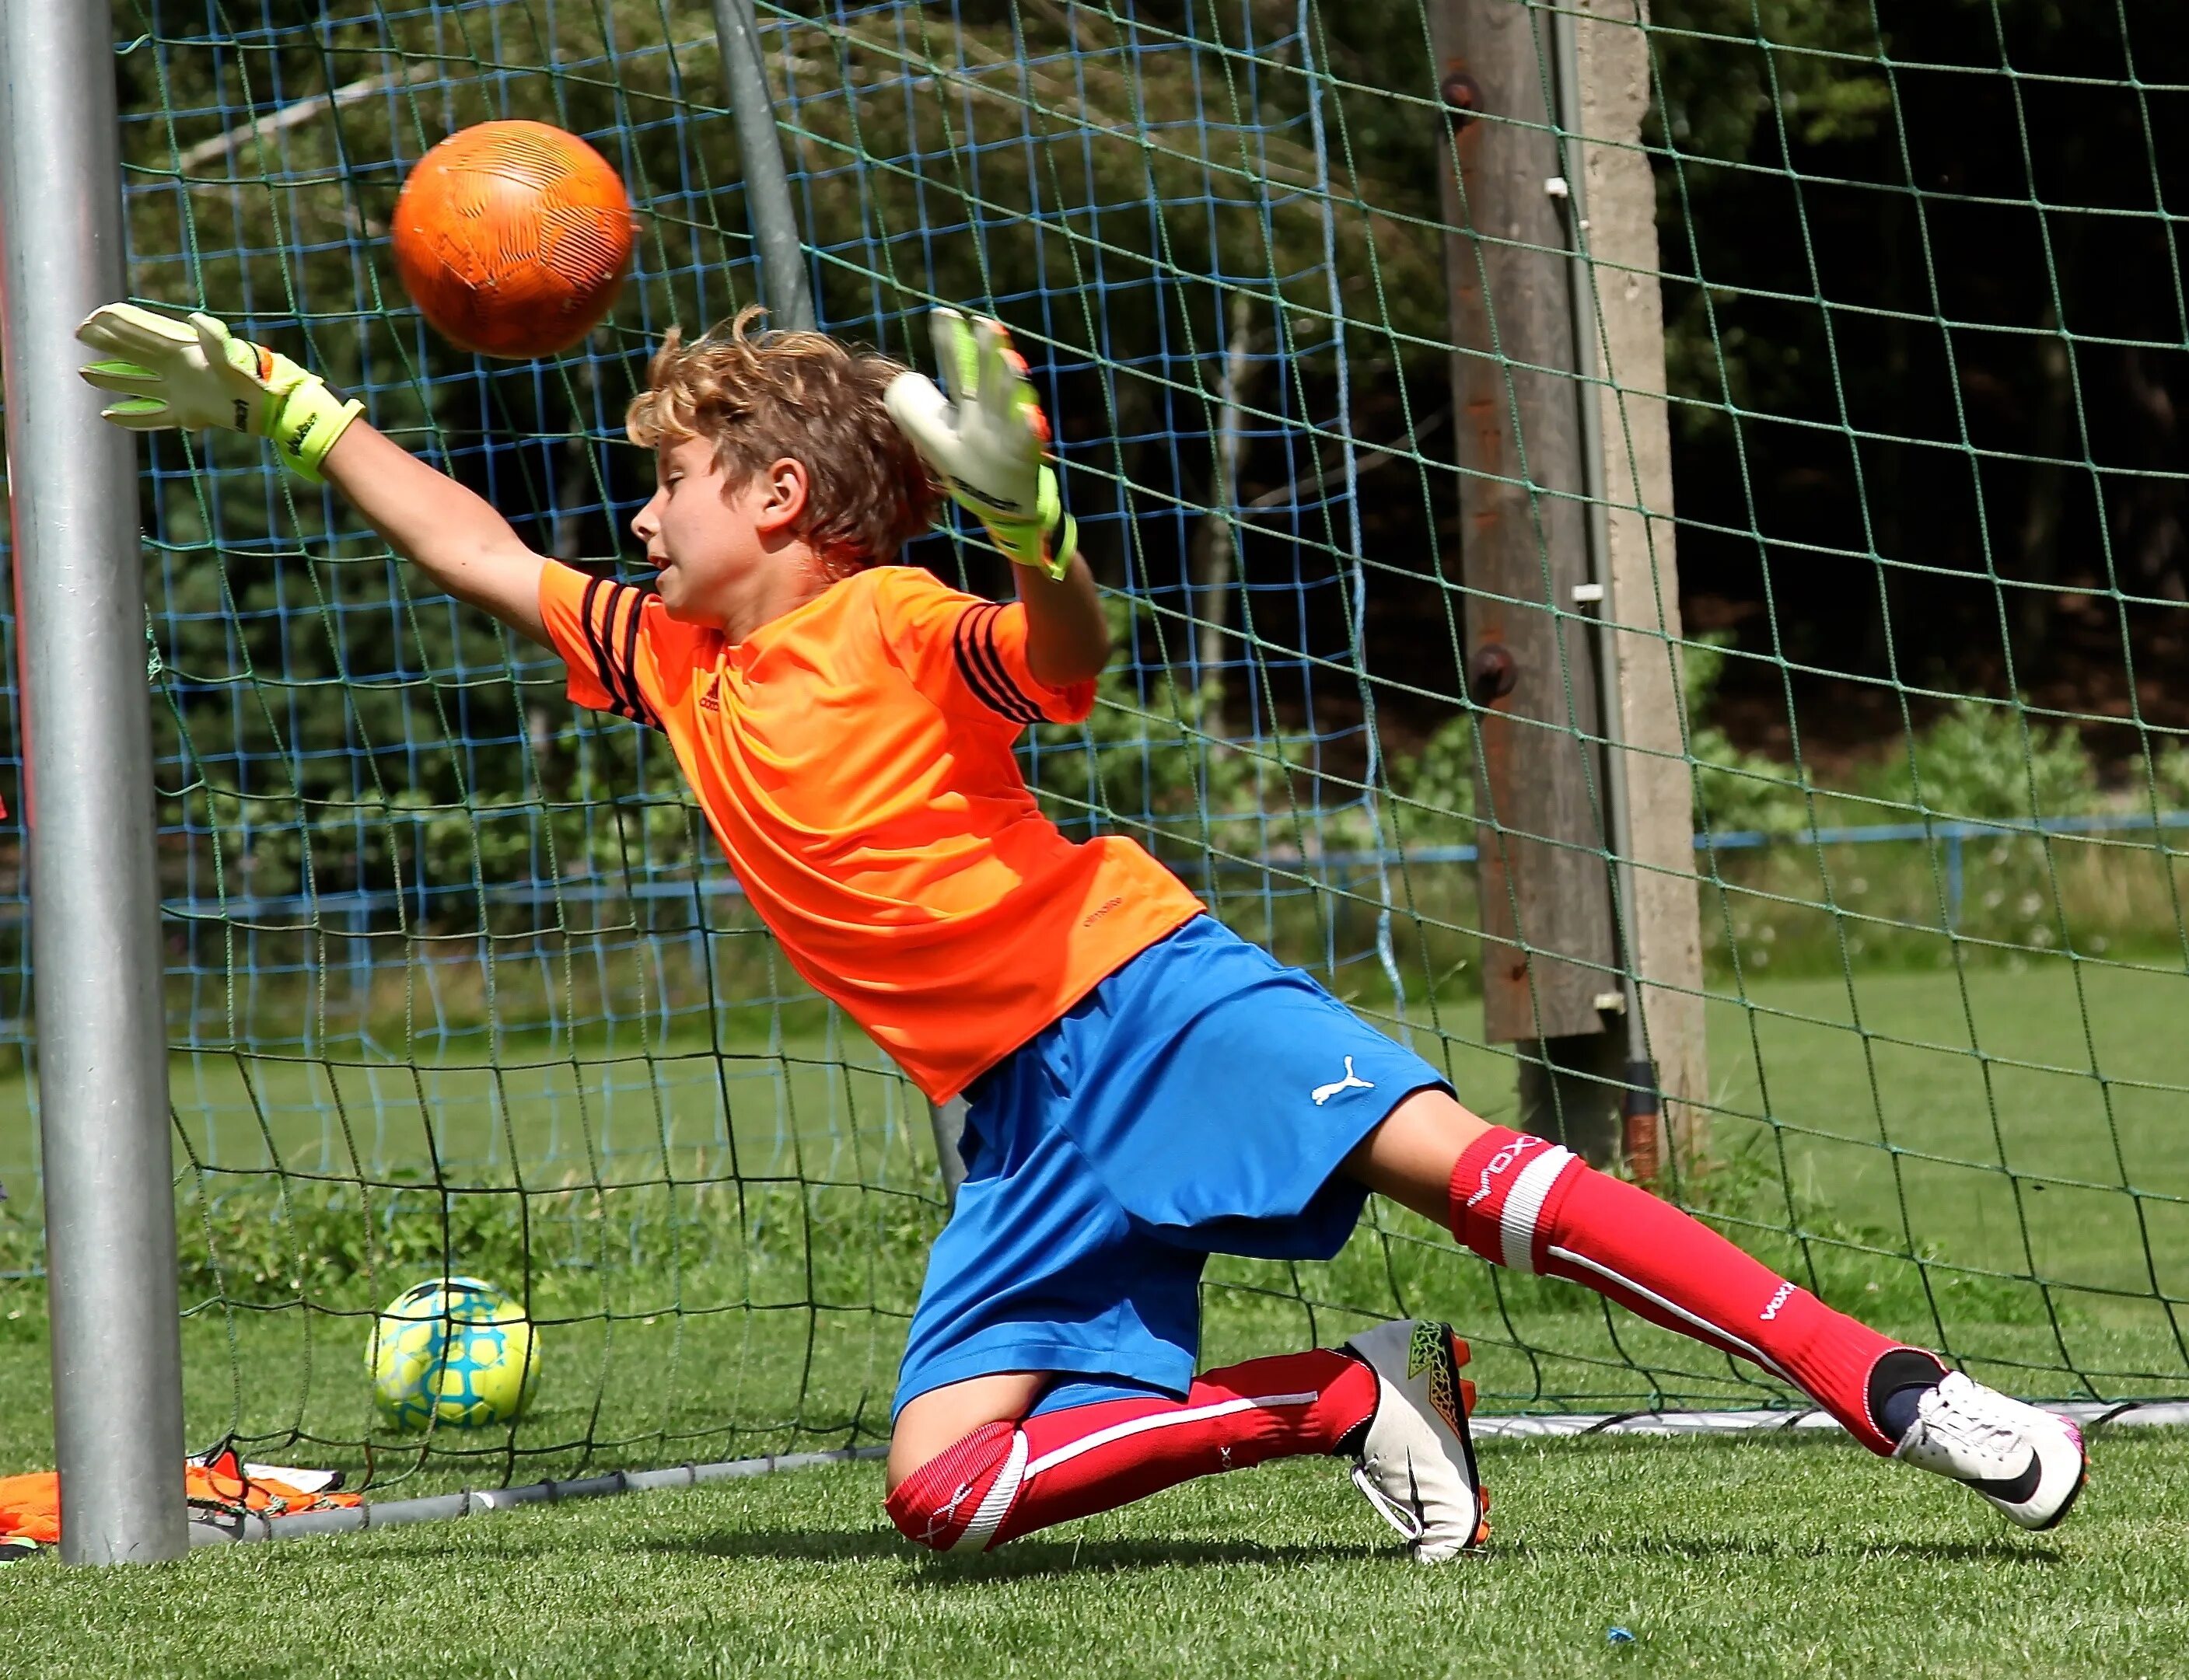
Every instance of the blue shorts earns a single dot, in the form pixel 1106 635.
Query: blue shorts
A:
pixel 1198 1102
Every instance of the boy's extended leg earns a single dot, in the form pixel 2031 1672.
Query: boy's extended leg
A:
pixel 1531 1205
pixel 1013 1474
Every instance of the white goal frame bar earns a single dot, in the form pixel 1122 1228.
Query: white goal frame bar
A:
pixel 443 1507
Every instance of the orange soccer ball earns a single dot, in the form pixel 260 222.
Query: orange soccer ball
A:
pixel 513 238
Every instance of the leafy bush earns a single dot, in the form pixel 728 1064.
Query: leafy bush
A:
pixel 1736 792
pixel 1983 759
pixel 2170 777
pixel 1434 789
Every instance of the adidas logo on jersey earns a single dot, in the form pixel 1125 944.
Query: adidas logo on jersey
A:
pixel 711 700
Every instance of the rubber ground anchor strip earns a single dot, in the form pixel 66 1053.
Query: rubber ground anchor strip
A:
pixel 1541 1426
pixel 443 1507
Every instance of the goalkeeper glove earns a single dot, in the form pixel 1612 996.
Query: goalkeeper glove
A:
pixel 986 440
pixel 198 376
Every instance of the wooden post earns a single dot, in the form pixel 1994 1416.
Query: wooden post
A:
pixel 1550 956
pixel 1641 569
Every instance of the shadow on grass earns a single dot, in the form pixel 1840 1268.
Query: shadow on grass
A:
pixel 1058 1555
pixel 1062 1556
pixel 1703 1548
pixel 1019 1559
pixel 1031 1558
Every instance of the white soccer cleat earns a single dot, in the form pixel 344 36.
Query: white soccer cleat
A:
pixel 1417 1458
pixel 2027 1462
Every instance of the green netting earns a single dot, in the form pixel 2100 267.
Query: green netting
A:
pixel 457 982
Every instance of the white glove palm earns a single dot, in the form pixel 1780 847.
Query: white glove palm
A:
pixel 197 374
pixel 988 443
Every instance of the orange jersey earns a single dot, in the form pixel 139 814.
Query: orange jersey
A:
pixel 854 759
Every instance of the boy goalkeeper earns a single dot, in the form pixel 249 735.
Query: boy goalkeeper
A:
pixel 1145 1087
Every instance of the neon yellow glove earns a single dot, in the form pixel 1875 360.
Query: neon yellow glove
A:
pixel 988 443
pixel 198 375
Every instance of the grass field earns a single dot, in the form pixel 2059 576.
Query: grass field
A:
pixel 1989 1126
pixel 723 1246
pixel 1754 1560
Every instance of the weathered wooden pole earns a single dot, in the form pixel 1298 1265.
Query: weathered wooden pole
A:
pixel 1616 196
pixel 1592 960
pixel 1550 974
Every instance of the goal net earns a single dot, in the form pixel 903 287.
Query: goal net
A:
pixel 458 984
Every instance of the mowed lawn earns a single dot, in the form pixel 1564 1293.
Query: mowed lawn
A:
pixel 1990 1123
pixel 2001 1118
pixel 1752 1560
pixel 1987 1123
pixel 1998 1118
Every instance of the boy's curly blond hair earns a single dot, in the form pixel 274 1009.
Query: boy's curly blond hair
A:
pixel 761 397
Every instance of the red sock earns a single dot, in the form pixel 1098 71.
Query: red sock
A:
pixel 1006 1480
pixel 1535 1207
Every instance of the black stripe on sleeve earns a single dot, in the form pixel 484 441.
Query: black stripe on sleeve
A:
pixel 975 678
pixel 973 643
pixel 984 641
pixel 617 669
pixel 636 599
pixel 590 622
pixel 988 636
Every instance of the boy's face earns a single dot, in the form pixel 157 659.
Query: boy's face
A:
pixel 719 552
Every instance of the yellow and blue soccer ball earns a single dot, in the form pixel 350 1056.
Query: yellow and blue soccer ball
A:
pixel 453 1351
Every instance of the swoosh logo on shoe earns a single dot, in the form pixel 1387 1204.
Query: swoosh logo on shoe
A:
pixel 2016 1489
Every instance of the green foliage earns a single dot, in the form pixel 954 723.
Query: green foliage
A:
pixel 1975 760
pixel 1434 789
pixel 22 1247
pixel 1983 759
pixel 1731 67
pixel 1738 81
pixel 1147 762
pixel 1736 790
pixel 2169 775
pixel 1153 759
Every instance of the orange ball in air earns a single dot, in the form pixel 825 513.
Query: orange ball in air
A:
pixel 513 238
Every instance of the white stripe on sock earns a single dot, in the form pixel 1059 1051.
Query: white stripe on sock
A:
pixel 1675 1309
pixel 1162 1420
pixel 998 1502
pixel 1516 1226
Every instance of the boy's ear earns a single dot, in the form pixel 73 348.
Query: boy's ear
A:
pixel 785 489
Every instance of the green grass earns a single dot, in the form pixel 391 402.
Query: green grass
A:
pixel 1912 1113
pixel 723 1250
pixel 1751 1560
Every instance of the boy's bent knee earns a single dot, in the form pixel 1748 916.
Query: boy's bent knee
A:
pixel 956 1500
pixel 932 1422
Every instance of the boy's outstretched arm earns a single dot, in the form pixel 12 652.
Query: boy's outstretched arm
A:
pixel 195 375
pixel 454 537
pixel 985 441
